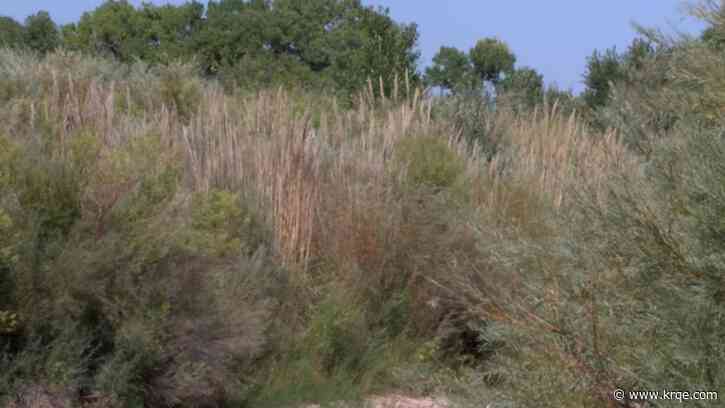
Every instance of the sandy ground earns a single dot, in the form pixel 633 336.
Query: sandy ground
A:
pixel 399 401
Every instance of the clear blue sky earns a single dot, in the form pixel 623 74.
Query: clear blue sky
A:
pixel 552 36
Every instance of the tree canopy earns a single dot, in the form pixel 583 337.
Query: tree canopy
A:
pixel 38 33
pixel 610 67
pixel 11 32
pixel 324 44
pixel 491 59
pixel 490 62
pixel 41 33
pixel 452 69
pixel 525 84
pixel 324 41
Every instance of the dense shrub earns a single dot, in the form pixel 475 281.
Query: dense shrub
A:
pixel 178 91
pixel 429 162
pixel 597 293
pixel 474 116
pixel 115 284
pixel 222 226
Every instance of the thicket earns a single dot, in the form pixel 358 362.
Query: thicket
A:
pixel 166 242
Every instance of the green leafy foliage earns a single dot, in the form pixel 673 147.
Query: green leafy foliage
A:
pixel 318 42
pixel 156 34
pixel 171 30
pixel 222 226
pixel 41 34
pixel 452 70
pixel 525 86
pixel 372 46
pixel 488 61
pixel 58 361
pixel 114 29
pixel 337 338
pixel 11 32
pixel 491 58
pixel 102 281
pixel 178 92
pixel 429 162
pixel 234 30
pixel 602 69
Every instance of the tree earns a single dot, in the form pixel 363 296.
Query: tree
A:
pixel 113 29
pixel 345 41
pixel 170 30
pixel 455 70
pixel 41 34
pixel 338 42
pixel 525 85
pixel 313 30
pixel 371 45
pixel 602 70
pixel 452 70
pixel 491 58
pixel 234 30
pixel 610 67
pixel 11 33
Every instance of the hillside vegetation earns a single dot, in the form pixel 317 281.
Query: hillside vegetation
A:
pixel 170 239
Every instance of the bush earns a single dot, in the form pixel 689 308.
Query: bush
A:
pixel 221 225
pixel 339 357
pixel 179 90
pixel 429 162
pixel 58 360
pixel 474 116
pixel 99 236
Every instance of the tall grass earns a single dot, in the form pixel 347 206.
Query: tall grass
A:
pixel 556 154
pixel 197 237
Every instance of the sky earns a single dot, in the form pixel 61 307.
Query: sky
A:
pixel 555 37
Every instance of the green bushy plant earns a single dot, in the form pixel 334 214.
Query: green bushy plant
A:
pixel 179 90
pixel 222 225
pixel 339 357
pixel 672 258
pixel 429 162
pixel 103 244
pixel 337 337
pixel 602 298
pixel 58 359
